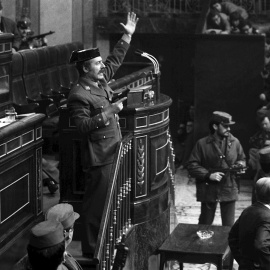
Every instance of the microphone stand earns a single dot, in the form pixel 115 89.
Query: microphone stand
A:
pixel 156 74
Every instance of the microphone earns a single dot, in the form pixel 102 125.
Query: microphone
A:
pixel 151 58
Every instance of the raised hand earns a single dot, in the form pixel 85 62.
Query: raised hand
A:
pixel 130 26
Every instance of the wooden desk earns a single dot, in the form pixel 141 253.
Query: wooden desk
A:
pixel 185 246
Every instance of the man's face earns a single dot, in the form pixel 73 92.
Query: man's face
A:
pixel 96 69
pixel 223 130
pixel 235 23
pixel 216 19
pixel 265 124
pixel 246 30
pixel 68 234
pixel 217 7
pixel 23 31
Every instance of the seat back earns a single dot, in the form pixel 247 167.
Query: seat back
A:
pixel 73 72
pixel 62 63
pixel 31 81
pixel 42 71
pixel 18 94
pixel 52 68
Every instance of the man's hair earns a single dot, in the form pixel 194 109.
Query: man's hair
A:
pixel 263 190
pixel 211 123
pixel 81 65
pixel 46 258
pixel 235 16
pixel 213 13
pixel 213 2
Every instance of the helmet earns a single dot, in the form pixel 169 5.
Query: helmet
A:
pixel 22 24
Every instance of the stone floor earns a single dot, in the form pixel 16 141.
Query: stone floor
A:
pixel 187 209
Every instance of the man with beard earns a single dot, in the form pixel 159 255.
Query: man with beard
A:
pixel 96 117
pixel 209 164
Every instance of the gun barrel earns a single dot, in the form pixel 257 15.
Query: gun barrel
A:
pixel 41 35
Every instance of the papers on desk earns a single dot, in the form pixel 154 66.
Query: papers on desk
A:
pixel 19 116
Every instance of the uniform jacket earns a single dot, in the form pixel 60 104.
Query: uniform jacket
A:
pixel 88 104
pixel 9 26
pixel 204 157
pixel 249 238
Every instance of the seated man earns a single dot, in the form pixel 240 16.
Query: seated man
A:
pixel 260 139
pixel 248 29
pixel 218 21
pixel 236 22
pixel 249 238
pixel 264 171
pixel 64 213
pixel 46 246
pixel 228 8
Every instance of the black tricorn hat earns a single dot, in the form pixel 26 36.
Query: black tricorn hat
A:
pixel 83 55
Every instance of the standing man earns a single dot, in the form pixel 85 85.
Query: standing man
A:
pixel 9 26
pixel 209 158
pixel 96 117
pixel 249 238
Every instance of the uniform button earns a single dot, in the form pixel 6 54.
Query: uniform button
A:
pixel 104 137
pixel 101 107
pixel 99 119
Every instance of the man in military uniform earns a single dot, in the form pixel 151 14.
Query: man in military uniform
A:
pixel 96 117
pixel 63 212
pixel 46 246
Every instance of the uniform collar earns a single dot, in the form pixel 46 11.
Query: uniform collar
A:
pixel 91 86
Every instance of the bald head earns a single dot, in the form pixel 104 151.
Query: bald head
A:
pixel 263 190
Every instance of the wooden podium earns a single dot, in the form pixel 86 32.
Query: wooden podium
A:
pixel 150 188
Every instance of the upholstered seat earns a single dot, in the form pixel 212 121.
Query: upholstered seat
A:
pixel 42 72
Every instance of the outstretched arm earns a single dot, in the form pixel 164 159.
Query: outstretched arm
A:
pixel 130 26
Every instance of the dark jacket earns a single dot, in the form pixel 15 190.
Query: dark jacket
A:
pixel 88 105
pixel 249 238
pixel 9 26
pixel 204 157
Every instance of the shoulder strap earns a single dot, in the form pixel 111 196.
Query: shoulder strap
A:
pixel 221 155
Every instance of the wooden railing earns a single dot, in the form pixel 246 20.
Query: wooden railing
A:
pixel 116 220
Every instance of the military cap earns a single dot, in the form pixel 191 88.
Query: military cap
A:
pixel 64 213
pixel 46 234
pixel 83 55
pixel 22 24
pixel 264 154
pixel 222 118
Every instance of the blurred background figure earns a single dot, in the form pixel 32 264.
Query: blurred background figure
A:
pixel 9 26
pixel 25 32
pixel 228 8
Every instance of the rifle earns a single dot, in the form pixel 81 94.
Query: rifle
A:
pixel 234 169
pixel 40 36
